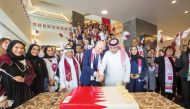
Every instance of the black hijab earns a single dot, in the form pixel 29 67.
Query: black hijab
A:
pixel 136 56
pixel 11 54
pixel 29 56
pixel 45 52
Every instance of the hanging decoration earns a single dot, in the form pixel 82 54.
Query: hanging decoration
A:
pixel 43 24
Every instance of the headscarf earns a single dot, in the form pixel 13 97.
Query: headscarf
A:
pixel 114 42
pixel 45 52
pixel 11 54
pixel 136 56
pixel 29 55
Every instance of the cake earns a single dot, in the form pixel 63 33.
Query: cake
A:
pixel 88 97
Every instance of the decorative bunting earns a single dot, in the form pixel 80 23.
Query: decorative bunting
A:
pixel 42 24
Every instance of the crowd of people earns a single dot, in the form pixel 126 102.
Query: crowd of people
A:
pixel 92 57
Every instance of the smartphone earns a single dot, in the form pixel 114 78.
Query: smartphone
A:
pixel 10 102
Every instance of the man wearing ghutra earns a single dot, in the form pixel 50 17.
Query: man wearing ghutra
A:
pixel 116 64
pixel 69 70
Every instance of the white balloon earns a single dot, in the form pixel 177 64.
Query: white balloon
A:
pixel 125 33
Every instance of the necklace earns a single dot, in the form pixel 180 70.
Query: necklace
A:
pixel 20 68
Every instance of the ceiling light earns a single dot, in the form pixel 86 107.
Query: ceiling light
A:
pixel 104 12
pixel 160 31
pixel 186 12
pixel 37 8
pixel 173 1
pixel 31 12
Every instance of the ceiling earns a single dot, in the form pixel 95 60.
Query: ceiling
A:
pixel 169 17
pixel 14 22
pixel 9 29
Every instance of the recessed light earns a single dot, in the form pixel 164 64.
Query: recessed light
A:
pixel 173 1
pixel 104 12
pixel 186 12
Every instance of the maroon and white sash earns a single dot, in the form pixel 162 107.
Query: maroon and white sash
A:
pixel 140 70
pixel 139 62
pixel 68 70
pixel 140 51
pixel 168 75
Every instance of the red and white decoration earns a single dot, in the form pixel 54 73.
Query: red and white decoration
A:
pixel 178 39
pixel 49 26
pixel 185 33
pixel 40 24
pixel 180 36
pixel 35 32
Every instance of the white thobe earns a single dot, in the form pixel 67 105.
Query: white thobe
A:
pixel 115 71
pixel 69 85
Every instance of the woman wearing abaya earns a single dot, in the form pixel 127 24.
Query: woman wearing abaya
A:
pixel 14 63
pixel 166 75
pixel 40 83
pixel 138 69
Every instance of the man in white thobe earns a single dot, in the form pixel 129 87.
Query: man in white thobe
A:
pixel 69 70
pixel 116 64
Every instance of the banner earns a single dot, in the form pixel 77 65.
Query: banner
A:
pixel 107 22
